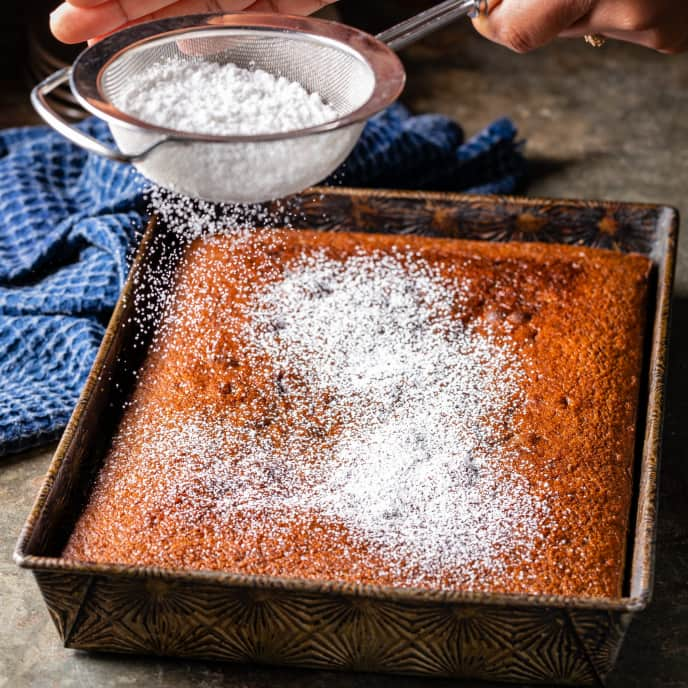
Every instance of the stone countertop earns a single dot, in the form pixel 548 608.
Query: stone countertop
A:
pixel 608 123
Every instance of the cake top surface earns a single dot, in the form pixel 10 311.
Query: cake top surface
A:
pixel 404 450
pixel 383 409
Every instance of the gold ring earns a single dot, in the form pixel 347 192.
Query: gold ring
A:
pixel 596 40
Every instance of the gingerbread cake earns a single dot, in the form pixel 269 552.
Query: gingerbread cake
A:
pixel 374 409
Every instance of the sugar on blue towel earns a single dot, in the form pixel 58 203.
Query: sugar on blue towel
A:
pixel 68 222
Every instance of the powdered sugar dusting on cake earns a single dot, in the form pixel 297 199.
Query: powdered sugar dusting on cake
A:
pixel 398 417
pixel 419 398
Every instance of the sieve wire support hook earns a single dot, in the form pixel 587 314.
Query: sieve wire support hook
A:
pixel 417 27
pixel 69 131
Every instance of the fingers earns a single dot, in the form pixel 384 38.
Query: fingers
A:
pixel 289 6
pixel 72 23
pixel 669 43
pixel 524 25
pixel 80 20
pixel 626 16
pixel 659 25
pixel 87 3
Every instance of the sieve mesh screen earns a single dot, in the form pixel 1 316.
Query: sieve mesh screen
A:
pixel 353 73
pixel 343 78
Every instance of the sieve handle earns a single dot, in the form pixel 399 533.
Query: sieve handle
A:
pixel 424 23
pixel 60 125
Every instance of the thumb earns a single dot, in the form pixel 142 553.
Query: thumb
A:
pixel 524 25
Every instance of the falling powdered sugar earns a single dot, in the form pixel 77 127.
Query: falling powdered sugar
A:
pixel 190 218
pixel 187 219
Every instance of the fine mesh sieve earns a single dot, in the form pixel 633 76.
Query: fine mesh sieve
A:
pixel 357 74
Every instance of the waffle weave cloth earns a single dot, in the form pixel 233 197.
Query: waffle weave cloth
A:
pixel 68 222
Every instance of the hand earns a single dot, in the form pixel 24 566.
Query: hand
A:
pixel 82 20
pixel 524 25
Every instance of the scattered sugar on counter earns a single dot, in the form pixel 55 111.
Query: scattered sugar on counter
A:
pixel 220 99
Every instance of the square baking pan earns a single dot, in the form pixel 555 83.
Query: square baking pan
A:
pixel 290 622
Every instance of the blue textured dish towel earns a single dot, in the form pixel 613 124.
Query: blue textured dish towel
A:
pixel 68 222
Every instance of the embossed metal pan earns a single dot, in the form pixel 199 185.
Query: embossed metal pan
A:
pixel 330 625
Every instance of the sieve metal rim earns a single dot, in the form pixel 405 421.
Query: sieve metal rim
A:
pixel 89 67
